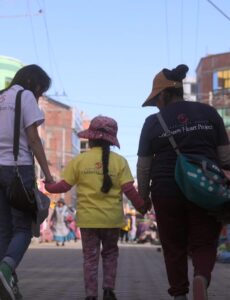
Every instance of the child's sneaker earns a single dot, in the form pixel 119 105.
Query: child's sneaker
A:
pixel 6 282
pixel 109 295
pixel 200 288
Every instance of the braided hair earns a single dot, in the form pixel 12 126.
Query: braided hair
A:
pixel 107 181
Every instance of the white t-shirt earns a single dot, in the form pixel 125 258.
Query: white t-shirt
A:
pixel 30 114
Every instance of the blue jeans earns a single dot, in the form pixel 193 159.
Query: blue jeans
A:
pixel 15 225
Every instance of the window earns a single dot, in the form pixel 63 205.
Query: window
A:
pixel 221 81
pixel 193 88
pixel 225 114
pixel 83 145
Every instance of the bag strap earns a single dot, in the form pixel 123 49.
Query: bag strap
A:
pixel 168 133
pixel 17 121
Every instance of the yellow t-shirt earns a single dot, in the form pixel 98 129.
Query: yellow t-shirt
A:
pixel 94 208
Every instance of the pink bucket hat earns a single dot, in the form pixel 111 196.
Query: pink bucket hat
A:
pixel 101 128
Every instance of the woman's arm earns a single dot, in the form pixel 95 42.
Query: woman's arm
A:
pixel 131 193
pixel 38 150
pixel 143 175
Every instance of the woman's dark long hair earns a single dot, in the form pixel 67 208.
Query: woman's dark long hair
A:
pixel 33 78
pixel 107 181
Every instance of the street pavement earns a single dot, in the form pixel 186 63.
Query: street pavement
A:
pixel 48 272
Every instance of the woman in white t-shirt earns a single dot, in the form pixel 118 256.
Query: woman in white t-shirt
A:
pixel 15 225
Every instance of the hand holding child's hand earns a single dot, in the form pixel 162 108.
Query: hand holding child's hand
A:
pixel 48 179
pixel 142 210
pixel 148 204
pixel 146 207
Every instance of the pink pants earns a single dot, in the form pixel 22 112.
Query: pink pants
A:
pixel 184 229
pixel 92 238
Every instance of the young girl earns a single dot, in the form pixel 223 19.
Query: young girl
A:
pixel 100 176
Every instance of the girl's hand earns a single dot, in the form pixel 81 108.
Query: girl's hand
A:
pixel 48 185
pixel 142 210
pixel 57 187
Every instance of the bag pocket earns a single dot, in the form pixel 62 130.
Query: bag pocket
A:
pixel 202 181
pixel 19 196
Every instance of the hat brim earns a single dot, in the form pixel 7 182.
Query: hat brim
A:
pixel 160 83
pixel 98 135
pixel 84 134
pixel 151 100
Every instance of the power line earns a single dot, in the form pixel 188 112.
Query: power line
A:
pixel 167 33
pixel 133 107
pixel 48 45
pixel 181 30
pixel 197 30
pixel 64 95
pixel 38 13
pixel 51 53
pixel 108 105
pixel 217 8
pixel 32 30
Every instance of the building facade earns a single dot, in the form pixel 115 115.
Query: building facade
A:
pixel 84 143
pixel 213 83
pixel 190 88
pixel 59 137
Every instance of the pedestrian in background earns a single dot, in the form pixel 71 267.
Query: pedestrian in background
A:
pixel 182 225
pixel 100 176
pixel 133 230
pixel 15 225
pixel 124 231
pixel 46 235
pixel 71 224
pixel 61 232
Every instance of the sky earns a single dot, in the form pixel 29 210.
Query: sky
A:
pixel 102 55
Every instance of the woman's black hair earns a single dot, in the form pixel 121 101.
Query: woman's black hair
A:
pixel 107 181
pixel 33 78
pixel 176 74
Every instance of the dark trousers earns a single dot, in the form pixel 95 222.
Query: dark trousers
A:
pixel 184 229
pixel 92 239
